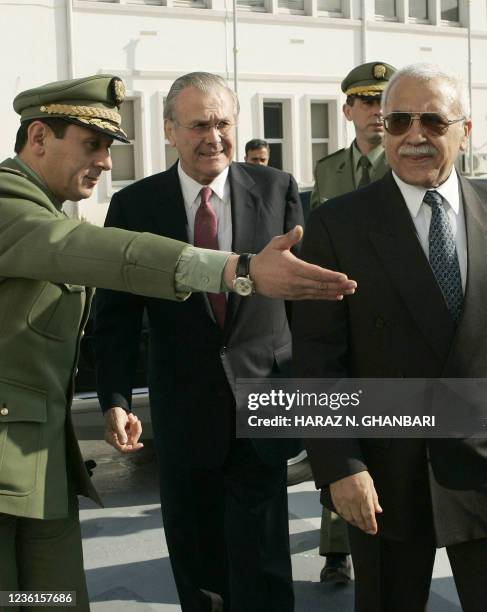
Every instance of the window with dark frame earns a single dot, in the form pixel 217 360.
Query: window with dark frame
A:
pixel 274 132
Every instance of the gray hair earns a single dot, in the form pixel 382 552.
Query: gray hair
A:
pixel 204 81
pixel 430 72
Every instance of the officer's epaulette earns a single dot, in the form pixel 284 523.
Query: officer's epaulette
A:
pixel 330 155
pixel 12 171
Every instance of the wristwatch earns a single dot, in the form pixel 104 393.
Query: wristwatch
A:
pixel 242 284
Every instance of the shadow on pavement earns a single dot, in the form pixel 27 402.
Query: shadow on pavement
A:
pixel 144 581
pixel 304 541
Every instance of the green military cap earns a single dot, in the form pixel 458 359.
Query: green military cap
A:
pixel 91 102
pixel 367 80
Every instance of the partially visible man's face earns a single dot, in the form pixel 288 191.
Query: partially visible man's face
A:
pixel 366 115
pixel 258 156
pixel 203 132
pixel 71 166
pixel 420 157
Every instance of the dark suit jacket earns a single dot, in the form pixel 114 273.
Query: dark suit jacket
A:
pixel 193 364
pixel 398 325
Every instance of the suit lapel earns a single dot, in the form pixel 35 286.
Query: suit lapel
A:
pixel 475 302
pixel 168 210
pixel 399 249
pixel 170 219
pixel 245 202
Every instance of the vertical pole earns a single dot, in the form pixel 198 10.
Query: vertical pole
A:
pixel 69 39
pixel 364 31
pixel 235 70
pixel 469 32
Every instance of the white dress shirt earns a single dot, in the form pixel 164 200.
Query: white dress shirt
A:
pixel 421 215
pixel 220 201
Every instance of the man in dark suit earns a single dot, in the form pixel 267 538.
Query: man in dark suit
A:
pixel 224 500
pixel 416 242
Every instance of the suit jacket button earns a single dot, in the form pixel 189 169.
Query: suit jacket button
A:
pixel 379 322
pixel 4 411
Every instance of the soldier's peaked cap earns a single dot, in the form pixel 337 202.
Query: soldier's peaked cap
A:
pixel 367 80
pixel 91 102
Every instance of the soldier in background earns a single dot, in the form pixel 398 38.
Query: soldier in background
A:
pixel 364 160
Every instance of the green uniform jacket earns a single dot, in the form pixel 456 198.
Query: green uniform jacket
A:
pixel 334 175
pixel 46 260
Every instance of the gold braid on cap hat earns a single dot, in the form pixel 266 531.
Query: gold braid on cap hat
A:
pixel 89 115
pixel 82 111
pixel 362 89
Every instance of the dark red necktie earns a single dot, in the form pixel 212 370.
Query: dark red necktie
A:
pixel 206 237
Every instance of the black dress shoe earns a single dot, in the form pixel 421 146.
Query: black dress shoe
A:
pixel 337 569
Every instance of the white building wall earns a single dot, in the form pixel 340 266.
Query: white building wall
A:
pixel 295 59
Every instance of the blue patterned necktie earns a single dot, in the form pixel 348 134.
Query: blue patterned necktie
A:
pixel 443 254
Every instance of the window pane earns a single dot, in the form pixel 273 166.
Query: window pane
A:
pixel 275 158
pixel 386 8
pixel 171 156
pixel 293 5
pixel 449 10
pixel 418 9
pixel 127 113
pixel 272 120
pixel 334 6
pixel 251 4
pixel 319 150
pixel 123 162
pixel 319 120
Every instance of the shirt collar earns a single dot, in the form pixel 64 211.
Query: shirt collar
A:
pixel 191 188
pixel 37 179
pixel 414 194
pixel 373 155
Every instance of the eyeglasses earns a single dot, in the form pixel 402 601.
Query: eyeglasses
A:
pixel 398 123
pixel 201 129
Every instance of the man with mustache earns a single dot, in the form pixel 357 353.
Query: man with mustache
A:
pixel 411 239
pixel 62 148
pixel 224 499
pixel 348 169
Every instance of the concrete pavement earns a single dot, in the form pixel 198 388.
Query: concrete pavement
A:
pixel 126 556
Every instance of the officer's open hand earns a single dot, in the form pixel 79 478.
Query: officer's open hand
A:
pixel 277 273
pixel 123 430
pixel 356 500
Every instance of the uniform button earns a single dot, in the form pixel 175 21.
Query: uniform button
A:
pixel 82 332
pixel 76 372
pixel 4 411
pixel 205 280
pixel 379 322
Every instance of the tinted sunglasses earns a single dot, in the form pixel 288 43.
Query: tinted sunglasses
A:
pixel 398 123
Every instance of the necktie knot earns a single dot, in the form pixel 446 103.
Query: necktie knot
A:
pixel 364 162
pixel 432 198
pixel 205 195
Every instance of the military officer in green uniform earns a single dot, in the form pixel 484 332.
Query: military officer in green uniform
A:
pixel 348 169
pixel 47 265
pixel 364 160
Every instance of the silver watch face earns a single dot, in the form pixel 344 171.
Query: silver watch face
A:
pixel 243 286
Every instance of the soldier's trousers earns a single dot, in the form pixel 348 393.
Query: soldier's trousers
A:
pixel 43 555
pixel 333 534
